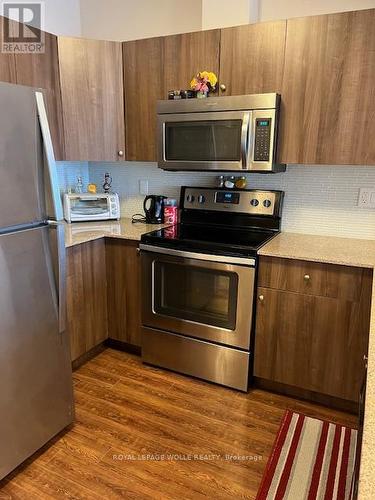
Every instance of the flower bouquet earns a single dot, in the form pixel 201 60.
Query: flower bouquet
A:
pixel 203 83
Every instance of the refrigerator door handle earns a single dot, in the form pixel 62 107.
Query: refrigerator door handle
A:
pixel 60 271
pixel 49 157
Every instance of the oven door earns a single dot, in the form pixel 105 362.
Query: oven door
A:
pixel 204 141
pixel 202 296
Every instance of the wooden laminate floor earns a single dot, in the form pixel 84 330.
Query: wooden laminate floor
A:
pixel 141 432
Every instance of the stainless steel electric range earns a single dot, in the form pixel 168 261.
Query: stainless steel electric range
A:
pixel 198 283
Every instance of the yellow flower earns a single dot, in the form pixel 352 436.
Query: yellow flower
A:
pixel 212 78
pixel 193 83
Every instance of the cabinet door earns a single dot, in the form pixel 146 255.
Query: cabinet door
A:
pixel 124 291
pixel 92 99
pixel 143 81
pixel 328 90
pixel 252 58
pixel 186 54
pixel 41 70
pixel 86 297
pixel 312 342
pixel 7 61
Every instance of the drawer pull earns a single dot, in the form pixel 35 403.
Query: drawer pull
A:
pixel 306 277
pixel 261 298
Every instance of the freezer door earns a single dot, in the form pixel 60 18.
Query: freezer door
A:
pixel 20 157
pixel 36 397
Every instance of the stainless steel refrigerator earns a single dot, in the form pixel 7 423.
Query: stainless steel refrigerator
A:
pixel 36 396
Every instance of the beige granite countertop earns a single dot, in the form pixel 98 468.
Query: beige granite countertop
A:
pixel 350 252
pixel 81 232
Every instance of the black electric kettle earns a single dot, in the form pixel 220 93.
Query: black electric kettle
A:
pixel 154 209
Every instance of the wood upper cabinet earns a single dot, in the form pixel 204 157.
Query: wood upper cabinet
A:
pixel 41 70
pixel 154 66
pixel 328 90
pixel 312 326
pixel 86 296
pixel 38 70
pixel 143 83
pixel 92 99
pixel 252 58
pixel 7 61
pixel 124 291
pixel 186 54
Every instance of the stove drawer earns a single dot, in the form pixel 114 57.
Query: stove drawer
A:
pixel 219 364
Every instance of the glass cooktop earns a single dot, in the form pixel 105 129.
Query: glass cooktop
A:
pixel 210 239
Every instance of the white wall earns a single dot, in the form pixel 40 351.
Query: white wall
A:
pixel 223 13
pixel 63 17
pixel 132 19
pixel 283 9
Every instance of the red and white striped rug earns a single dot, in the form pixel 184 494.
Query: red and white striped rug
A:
pixel 311 459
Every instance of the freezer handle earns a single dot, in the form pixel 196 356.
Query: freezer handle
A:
pixel 60 272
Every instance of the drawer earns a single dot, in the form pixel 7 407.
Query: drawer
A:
pixel 313 278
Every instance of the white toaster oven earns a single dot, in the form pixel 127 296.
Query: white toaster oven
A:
pixel 90 207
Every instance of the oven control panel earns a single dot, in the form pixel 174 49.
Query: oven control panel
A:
pixel 252 202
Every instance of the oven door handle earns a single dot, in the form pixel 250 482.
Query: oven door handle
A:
pixel 243 261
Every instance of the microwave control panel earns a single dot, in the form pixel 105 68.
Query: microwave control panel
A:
pixel 262 139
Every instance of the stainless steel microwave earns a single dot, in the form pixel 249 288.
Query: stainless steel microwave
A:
pixel 219 133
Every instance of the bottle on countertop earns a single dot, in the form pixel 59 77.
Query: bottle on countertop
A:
pixel 79 185
pixel 230 182
pixel 170 211
pixel 241 182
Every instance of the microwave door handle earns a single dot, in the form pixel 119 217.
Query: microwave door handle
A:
pixel 245 139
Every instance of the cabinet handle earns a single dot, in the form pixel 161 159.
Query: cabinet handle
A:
pixel 223 87
pixel 261 298
pixel 306 277
pixel 121 153
pixel 365 358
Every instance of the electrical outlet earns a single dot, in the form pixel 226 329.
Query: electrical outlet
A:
pixel 143 186
pixel 366 198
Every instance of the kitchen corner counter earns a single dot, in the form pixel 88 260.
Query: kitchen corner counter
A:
pixel 82 232
pixel 349 252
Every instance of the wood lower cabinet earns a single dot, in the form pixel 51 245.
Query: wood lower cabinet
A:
pixel 252 58
pixel 328 90
pixel 124 291
pixel 312 339
pixel 92 99
pixel 86 296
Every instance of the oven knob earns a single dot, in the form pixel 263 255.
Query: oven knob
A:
pixel 254 202
pixel 267 203
pixel 201 198
pixel 190 198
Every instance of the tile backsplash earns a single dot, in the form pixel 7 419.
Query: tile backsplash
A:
pixel 318 199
